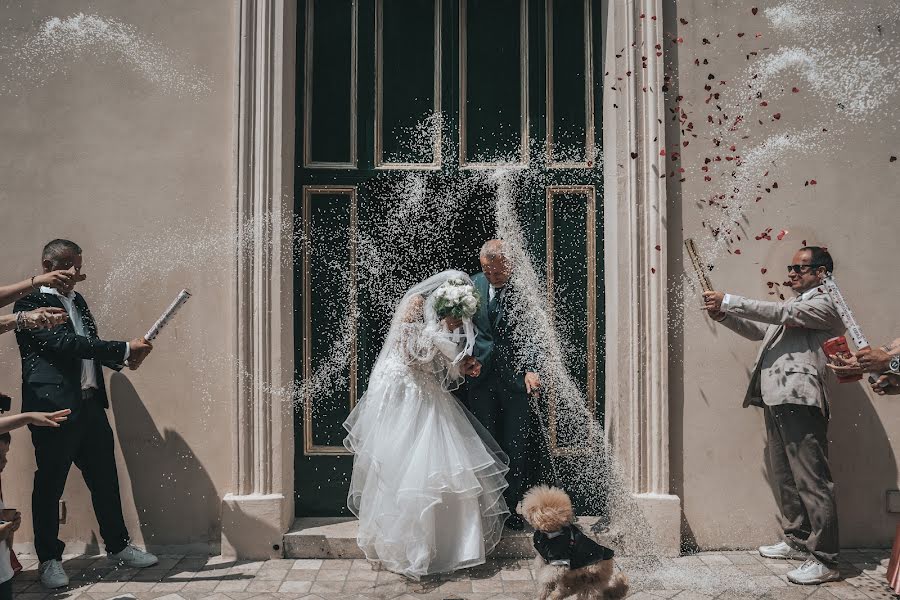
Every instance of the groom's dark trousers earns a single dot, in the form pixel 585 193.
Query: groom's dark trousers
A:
pixel 52 379
pixel 497 397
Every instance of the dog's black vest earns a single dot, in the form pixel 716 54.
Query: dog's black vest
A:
pixel 571 545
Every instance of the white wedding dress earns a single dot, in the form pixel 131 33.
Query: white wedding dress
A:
pixel 428 479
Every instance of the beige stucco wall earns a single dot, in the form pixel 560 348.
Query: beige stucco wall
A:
pixel 140 173
pixel 717 447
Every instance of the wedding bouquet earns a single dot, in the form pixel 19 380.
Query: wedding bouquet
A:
pixel 456 298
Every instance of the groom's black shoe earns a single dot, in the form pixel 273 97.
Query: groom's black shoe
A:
pixel 515 522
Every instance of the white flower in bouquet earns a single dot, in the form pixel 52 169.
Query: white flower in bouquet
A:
pixel 457 299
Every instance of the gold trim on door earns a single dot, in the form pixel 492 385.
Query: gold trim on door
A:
pixel 307 91
pixel 588 93
pixel 523 77
pixel 309 447
pixel 591 251
pixel 380 163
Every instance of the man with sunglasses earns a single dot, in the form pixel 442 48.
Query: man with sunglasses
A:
pixel 788 382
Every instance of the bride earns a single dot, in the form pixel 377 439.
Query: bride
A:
pixel 428 479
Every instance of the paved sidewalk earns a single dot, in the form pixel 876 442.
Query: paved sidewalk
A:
pixel 725 575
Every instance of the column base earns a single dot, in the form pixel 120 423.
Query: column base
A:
pixel 663 513
pixel 253 526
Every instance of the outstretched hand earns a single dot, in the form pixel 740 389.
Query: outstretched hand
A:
pixel 64 279
pixel 45 317
pixel 844 365
pixel 43 419
pixel 888 384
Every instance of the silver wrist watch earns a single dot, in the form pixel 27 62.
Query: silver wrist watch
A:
pixel 894 365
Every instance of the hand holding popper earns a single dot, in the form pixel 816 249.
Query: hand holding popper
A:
pixel 141 347
pixel 712 300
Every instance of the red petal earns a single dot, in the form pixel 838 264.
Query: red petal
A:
pixel 763 270
pixel 795 90
pixel 781 235
pixel 893 159
pixel 754 10
pixel 812 182
pixel 738 251
pixel 776 116
pixel 683 21
pixel 658 248
pixel 662 152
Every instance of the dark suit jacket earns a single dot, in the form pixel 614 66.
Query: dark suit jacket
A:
pixel 495 344
pixel 51 358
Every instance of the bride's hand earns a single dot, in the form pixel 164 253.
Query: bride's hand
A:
pixel 452 323
pixel 471 366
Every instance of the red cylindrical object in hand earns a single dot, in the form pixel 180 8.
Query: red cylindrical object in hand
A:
pixel 837 346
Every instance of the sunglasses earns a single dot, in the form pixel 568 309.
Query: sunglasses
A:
pixel 800 269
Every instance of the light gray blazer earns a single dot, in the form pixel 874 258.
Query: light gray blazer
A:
pixel 790 367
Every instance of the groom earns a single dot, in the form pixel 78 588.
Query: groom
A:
pixel 498 395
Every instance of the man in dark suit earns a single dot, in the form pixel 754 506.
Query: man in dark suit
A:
pixel 62 368
pixel 498 397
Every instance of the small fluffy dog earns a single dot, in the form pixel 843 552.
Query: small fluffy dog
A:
pixel 568 562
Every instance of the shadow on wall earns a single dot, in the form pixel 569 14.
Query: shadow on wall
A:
pixel 176 501
pixel 863 467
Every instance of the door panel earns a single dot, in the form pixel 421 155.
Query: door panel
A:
pixel 493 81
pixel 408 79
pixel 330 90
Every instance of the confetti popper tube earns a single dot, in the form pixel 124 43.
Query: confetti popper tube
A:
pixel 856 334
pixel 167 315
pixel 699 267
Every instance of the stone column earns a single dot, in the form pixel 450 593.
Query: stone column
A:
pixel 636 246
pixel 259 508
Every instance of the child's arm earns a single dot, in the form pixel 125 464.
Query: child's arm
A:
pixel 33 418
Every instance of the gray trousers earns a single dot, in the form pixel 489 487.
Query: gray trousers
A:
pixel 798 457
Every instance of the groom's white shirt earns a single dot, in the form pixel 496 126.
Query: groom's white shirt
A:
pixel 492 291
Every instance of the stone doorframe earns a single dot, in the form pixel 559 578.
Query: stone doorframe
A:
pixel 259 507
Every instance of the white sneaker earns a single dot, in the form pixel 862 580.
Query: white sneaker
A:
pixel 52 574
pixel 133 557
pixel 782 550
pixel 812 572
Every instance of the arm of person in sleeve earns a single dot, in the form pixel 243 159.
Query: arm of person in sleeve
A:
pixel 742 327
pixel 817 312
pixel 484 342
pixel 62 340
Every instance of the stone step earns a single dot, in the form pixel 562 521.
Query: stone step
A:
pixel 335 537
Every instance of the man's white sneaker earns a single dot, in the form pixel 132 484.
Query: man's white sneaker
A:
pixel 782 550
pixel 52 574
pixel 812 572
pixel 133 557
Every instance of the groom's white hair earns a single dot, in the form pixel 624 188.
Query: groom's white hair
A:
pixel 493 250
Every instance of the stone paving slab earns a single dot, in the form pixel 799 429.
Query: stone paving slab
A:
pixel 734 575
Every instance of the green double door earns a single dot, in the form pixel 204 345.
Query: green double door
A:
pixel 388 194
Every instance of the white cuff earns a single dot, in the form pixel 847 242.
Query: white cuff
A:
pixel 727 302
pixel 127 351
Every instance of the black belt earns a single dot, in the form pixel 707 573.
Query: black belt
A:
pixel 88 393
